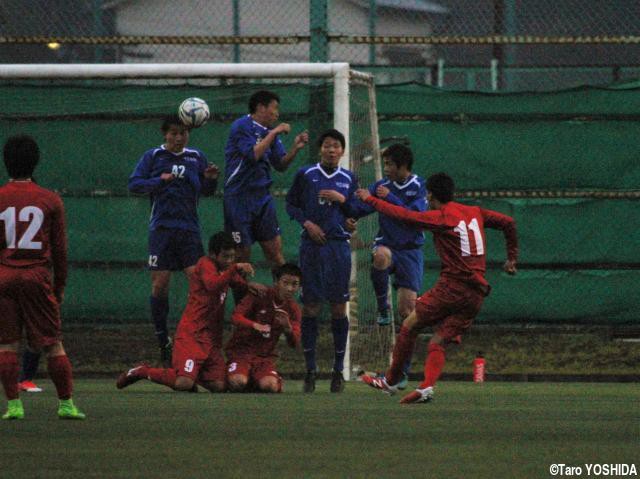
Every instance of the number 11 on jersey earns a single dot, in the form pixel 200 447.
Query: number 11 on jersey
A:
pixel 463 230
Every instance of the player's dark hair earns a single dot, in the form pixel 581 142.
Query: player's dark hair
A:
pixel 400 154
pixel 21 155
pixel 221 241
pixel 332 133
pixel 287 268
pixel 171 120
pixel 262 97
pixel 441 186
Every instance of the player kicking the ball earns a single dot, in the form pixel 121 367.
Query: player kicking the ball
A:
pixel 197 354
pixel 259 322
pixel 455 300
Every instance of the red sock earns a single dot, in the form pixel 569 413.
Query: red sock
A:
pixel 433 365
pixel 163 376
pixel 9 372
pixel 60 372
pixel 402 351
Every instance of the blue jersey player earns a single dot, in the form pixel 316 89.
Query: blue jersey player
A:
pixel 253 149
pixel 174 177
pixel 398 246
pixel 321 199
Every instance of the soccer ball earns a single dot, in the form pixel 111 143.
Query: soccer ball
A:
pixel 193 112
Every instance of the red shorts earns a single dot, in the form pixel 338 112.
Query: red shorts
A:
pixel 449 307
pixel 253 367
pixel 195 357
pixel 27 302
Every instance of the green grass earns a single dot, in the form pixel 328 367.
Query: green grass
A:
pixel 495 430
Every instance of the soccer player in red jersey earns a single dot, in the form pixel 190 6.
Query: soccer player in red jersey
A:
pixel 197 354
pixel 259 322
pixel 33 275
pixel 455 300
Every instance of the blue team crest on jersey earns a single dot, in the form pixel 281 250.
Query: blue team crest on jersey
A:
pixel 411 193
pixel 342 185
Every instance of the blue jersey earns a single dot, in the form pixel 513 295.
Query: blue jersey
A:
pixel 243 173
pixel 303 203
pixel 174 204
pixel 394 233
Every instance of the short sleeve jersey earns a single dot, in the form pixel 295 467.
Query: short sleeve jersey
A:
pixel 243 173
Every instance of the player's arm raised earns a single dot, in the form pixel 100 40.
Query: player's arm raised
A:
pixel 424 219
pixel 240 316
pixel 299 142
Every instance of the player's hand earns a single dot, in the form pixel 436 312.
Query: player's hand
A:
pixel 211 172
pixel 509 267
pixel 362 194
pixel 315 232
pixel 245 269
pixel 282 318
pixel 382 191
pixel 257 289
pixel 264 329
pixel 351 225
pixel 282 128
pixel 301 140
pixel 167 177
pixel 332 195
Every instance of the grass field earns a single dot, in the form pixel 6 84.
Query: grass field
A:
pixel 495 430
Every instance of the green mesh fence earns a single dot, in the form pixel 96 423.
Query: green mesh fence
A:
pixel 578 254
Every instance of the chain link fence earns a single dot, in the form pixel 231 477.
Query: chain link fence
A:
pixel 499 45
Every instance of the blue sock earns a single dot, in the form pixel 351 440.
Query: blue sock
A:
pixel 380 280
pixel 309 331
pixel 30 360
pixel 159 314
pixel 340 330
pixel 406 367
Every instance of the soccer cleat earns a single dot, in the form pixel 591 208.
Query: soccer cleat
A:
pixel 380 383
pixel 384 318
pixel 133 375
pixel 68 410
pixel 165 353
pixel 29 386
pixel 337 382
pixel 309 382
pixel 402 384
pixel 14 410
pixel 418 396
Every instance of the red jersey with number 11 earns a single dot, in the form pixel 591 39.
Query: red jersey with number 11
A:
pixel 458 234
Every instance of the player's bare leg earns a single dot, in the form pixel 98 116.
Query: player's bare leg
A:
pixel 381 262
pixel 9 371
pixel 160 311
pixel 237 382
pixel 270 384
pixel 61 375
pixel 272 250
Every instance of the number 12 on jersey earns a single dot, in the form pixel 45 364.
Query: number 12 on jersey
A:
pixel 31 214
pixel 463 230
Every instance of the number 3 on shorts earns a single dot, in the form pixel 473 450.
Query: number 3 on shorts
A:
pixel 233 367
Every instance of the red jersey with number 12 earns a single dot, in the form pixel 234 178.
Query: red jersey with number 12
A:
pixel 458 234
pixel 32 229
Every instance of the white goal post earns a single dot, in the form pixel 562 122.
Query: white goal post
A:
pixel 345 119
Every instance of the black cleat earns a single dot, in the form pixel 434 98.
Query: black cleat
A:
pixel 165 354
pixel 337 382
pixel 310 382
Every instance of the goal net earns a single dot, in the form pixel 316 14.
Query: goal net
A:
pixel 93 123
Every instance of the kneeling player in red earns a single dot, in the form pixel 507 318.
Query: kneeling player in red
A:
pixel 455 300
pixel 259 322
pixel 197 353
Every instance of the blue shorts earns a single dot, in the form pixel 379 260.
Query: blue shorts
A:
pixel 173 249
pixel 249 219
pixel 326 271
pixel 407 268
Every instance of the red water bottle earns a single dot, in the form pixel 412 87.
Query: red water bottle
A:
pixel 478 368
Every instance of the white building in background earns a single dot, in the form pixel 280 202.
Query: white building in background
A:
pixel 275 18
